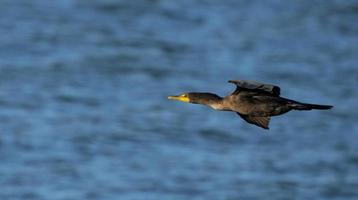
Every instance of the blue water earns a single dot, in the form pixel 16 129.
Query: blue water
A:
pixel 84 114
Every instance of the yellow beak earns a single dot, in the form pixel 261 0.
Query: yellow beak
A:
pixel 182 98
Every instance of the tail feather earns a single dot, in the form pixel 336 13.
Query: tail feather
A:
pixel 307 106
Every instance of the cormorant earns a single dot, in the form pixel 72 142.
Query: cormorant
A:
pixel 253 101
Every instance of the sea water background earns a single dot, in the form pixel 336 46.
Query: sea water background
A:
pixel 84 114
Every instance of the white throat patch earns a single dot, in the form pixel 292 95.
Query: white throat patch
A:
pixel 216 106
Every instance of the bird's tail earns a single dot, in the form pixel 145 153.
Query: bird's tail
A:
pixel 307 106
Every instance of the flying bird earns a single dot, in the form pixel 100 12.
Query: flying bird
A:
pixel 254 102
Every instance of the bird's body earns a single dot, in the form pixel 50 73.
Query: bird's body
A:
pixel 254 102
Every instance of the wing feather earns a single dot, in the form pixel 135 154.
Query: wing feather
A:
pixel 262 122
pixel 243 85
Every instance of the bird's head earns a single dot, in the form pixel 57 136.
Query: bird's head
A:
pixel 197 98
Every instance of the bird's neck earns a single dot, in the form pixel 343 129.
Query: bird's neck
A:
pixel 217 106
pixel 208 99
pixel 216 103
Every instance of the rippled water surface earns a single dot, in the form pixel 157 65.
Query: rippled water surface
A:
pixel 84 114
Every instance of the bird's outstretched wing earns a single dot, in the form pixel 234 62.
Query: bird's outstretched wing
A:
pixel 262 122
pixel 243 85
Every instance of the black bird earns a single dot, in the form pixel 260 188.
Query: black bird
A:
pixel 254 102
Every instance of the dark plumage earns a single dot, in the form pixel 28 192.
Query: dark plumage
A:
pixel 254 102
